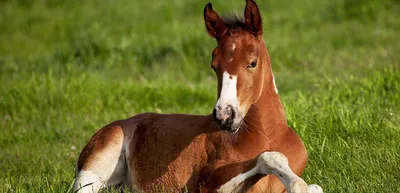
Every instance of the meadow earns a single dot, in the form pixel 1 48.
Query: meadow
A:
pixel 67 68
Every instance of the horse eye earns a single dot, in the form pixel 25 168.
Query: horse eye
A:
pixel 253 64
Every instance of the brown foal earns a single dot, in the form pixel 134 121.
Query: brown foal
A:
pixel 233 150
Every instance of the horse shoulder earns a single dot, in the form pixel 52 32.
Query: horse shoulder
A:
pixel 293 147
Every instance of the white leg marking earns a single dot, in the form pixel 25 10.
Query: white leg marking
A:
pixel 273 163
pixel 235 182
pixel 88 182
pixel 107 168
pixel 314 188
pixel 120 173
pixel 278 164
pixel 130 180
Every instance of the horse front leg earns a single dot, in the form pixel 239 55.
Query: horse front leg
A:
pixel 276 163
pixel 269 163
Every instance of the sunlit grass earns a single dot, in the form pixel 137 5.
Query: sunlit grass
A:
pixel 68 67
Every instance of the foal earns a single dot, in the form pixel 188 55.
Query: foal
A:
pixel 199 153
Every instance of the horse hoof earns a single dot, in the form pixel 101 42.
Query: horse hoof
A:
pixel 314 188
pixel 298 186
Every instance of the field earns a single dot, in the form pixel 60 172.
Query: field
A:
pixel 69 67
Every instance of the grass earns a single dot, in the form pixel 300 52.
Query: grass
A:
pixel 69 67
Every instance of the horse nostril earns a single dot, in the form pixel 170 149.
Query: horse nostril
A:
pixel 230 111
pixel 233 114
pixel 231 118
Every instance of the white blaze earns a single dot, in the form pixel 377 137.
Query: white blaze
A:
pixel 232 184
pixel 228 95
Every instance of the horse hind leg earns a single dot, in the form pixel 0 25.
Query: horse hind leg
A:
pixel 102 161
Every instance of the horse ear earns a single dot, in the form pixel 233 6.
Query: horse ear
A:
pixel 214 24
pixel 252 17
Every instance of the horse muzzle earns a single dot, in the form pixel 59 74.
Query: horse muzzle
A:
pixel 225 117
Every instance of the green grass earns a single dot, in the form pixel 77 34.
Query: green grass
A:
pixel 69 67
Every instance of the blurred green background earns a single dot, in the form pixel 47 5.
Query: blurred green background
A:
pixel 69 67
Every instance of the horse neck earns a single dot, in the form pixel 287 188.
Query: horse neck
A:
pixel 266 117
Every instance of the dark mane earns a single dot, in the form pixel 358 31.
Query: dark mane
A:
pixel 234 20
